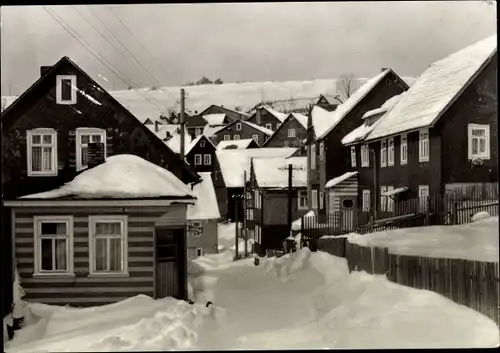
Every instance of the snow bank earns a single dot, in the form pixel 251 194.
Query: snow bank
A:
pixel 473 241
pixel 480 215
pixel 121 176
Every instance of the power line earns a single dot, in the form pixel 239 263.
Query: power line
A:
pixel 66 26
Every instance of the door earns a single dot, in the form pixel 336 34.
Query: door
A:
pixel 423 194
pixel 170 262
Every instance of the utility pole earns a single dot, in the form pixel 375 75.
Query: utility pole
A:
pixel 182 123
pixel 375 184
pixel 245 212
pixel 236 254
pixel 309 157
pixel 290 198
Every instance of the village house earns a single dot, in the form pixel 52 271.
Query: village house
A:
pixel 64 125
pixel 329 104
pixel 200 154
pixel 237 144
pixel 240 130
pixel 163 131
pixel 233 165
pixel 267 117
pixel 291 133
pixel 214 115
pixel 268 212
pixel 202 217
pixel 331 127
pixel 441 136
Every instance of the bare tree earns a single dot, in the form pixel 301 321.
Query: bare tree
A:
pixel 346 86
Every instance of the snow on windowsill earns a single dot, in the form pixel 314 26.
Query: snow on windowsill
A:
pixel 53 275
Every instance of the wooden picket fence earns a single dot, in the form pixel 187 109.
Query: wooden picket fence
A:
pixel 474 284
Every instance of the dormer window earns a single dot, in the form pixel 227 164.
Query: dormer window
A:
pixel 84 136
pixel 66 89
pixel 42 152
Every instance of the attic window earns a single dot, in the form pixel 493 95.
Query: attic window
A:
pixel 269 126
pixel 202 143
pixel 238 126
pixel 66 89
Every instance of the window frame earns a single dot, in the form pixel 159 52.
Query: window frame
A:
pixel 365 152
pixel 390 200
pixel 313 156
pixel 423 203
pixel 37 268
pixel 205 159
pixel 29 150
pixel 302 195
pixel 59 99
pixel 199 252
pixel 353 156
pixel 291 133
pixel 196 156
pixel 390 151
pixel 227 137
pixel 87 131
pixel 198 131
pixel 383 199
pixel 202 143
pixel 314 196
pixel 383 153
pixel 404 149
pixel 321 150
pixel 238 126
pixel 366 200
pixel 92 223
pixel 269 126
pixel 236 139
pixel 470 138
pixel 423 144
pixel 250 215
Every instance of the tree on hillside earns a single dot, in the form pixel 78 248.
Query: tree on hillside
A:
pixel 171 117
pixel 346 86
pixel 219 81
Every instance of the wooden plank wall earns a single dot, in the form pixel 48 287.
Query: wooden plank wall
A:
pixel 83 290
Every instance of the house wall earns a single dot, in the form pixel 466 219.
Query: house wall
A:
pixel 275 207
pixel 208 241
pixel 82 290
pixel 478 104
pixel 125 134
pixel 208 149
pixel 265 118
pixel 280 137
pixel 7 265
pixel 246 132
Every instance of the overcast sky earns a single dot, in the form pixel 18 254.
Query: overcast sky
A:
pixel 239 41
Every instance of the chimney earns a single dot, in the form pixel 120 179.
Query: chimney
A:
pixel 44 69
pixel 258 115
pixel 95 154
pixel 156 125
pixel 383 69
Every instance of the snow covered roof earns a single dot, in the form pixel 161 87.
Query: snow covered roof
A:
pixel 388 105
pixel 337 180
pixel 322 120
pixel 344 108
pixel 433 92
pixel 233 163
pixel 262 129
pixel 280 116
pixel 211 130
pixel 206 206
pixel 195 142
pixel 214 119
pixel 240 144
pixel 163 129
pixel 358 134
pixel 394 191
pixel 174 143
pixel 273 172
pixel 301 118
pixel 121 176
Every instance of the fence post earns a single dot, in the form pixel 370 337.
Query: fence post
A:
pixel 455 212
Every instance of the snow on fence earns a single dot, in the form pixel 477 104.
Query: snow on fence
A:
pixel 474 284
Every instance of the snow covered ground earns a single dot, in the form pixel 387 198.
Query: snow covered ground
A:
pixel 301 300
pixel 473 241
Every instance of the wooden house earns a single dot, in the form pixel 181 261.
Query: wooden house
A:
pixel 229 175
pixel 440 136
pixel 267 187
pixel 241 130
pixel 267 117
pixel 291 133
pixel 330 130
pixel 214 115
pixel 237 144
pixel 329 104
pixel 202 217
pixel 200 154
pixel 48 134
pixel 195 125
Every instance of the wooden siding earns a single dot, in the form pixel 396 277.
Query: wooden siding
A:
pixel 275 207
pixel 167 274
pixel 347 189
pixel 82 290
pixel 281 135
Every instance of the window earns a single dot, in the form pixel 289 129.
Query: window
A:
pixel 366 200
pixel 255 138
pixel 227 137
pixel 250 214
pixel 207 159
pixel 390 152
pixel 314 196
pixel 291 132
pixel 108 245
pixel 84 136
pixel 302 199
pixel 365 156
pixel 390 200
pixel 383 199
pixel 198 131
pixel 236 137
pixel 321 200
pixel 269 126
pixel 66 89
pixel 404 149
pixel 353 156
pixel 197 159
pixel 202 143
pixel 479 141
pixel 383 153
pixel 321 150
pixel 199 252
pixel 53 245
pixel 313 156
pixel 348 203
pixel 423 194
pixel 42 152
pixel 423 146
pixel 238 126
pixel 257 198
pixel 257 234
pixel 286 143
